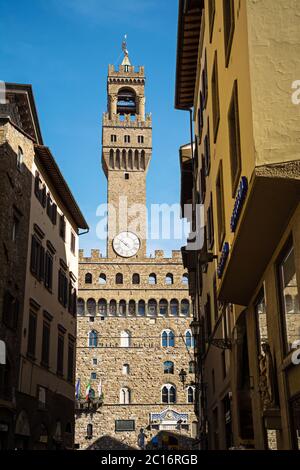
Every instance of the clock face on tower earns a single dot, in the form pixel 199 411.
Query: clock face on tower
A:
pixel 126 244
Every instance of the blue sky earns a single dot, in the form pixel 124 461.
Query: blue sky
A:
pixel 63 48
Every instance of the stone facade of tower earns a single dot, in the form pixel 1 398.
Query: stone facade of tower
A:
pixel 133 311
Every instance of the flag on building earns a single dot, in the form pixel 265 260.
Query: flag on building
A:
pixel 87 392
pixel 77 390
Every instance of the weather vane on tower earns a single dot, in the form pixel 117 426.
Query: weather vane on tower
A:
pixel 124 45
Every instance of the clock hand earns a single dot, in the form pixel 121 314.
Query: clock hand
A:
pixel 124 243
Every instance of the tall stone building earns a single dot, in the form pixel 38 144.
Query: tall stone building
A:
pixel 133 311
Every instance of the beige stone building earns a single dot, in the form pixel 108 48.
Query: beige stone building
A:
pixel 237 62
pixel 38 284
pixel 134 311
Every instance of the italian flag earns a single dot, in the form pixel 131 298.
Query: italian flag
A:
pixel 87 392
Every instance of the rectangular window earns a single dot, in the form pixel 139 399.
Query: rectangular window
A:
pixel 93 375
pixel 51 209
pixel 220 206
pixel 37 263
pixel 140 139
pixel 62 288
pixel 207 312
pixel 289 296
pixel 113 138
pixel 229 26
pixel 72 297
pixel 40 190
pixel 46 344
pixel 122 425
pixel 207 150
pixel 215 97
pixel 10 310
pixel 48 270
pixel 202 180
pixel 204 83
pixel 73 243
pixel 211 17
pixel 234 139
pixel 127 139
pixel 210 224
pixel 261 320
pixel 62 227
pixel 31 334
pixel 60 354
pixel 71 354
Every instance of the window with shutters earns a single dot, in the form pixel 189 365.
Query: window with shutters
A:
pixel 48 271
pixel 71 353
pixel 62 288
pixel 234 139
pixel 51 209
pixel 37 264
pixel 40 190
pixel 62 227
pixel 31 334
pixel 60 354
pixel 10 310
pixel 72 297
pixel 46 344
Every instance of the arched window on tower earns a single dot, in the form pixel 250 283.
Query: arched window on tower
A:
pixel 119 278
pixel 152 307
pixel 113 307
pixel 169 279
pixel 132 307
pixel 168 394
pixel 80 307
pixel 141 308
pixel 163 307
pixel 93 339
pixel 152 279
pixel 111 159
pixel 126 103
pixel 91 306
pixel 122 308
pixel 102 279
pixel 88 278
pixel 135 278
pixel 167 339
pixel 102 307
pixel 174 307
pixel 185 279
pixel 190 394
pixel 185 307
pixel 189 340
pixel 125 396
pixel 168 367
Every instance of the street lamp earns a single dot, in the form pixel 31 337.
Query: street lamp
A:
pixel 195 327
pixel 182 376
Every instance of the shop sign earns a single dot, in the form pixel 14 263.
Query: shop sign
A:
pixel 223 260
pixel 239 202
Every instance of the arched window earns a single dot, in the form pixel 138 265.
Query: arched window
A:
pixel 102 307
pixel 168 394
pixel 93 339
pixel 132 307
pixel 89 431
pixel 191 367
pixel 126 103
pixel 152 279
pixel 125 339
pixel 113 307
pixel 102 279
pixel 185 279
pixel 143 160
pixel 119 278
pixel 141 308
pixel 20 158
pixel 88 278
pixel 185 307
pixel 135 279
pixel 122 307
pixel 111 156
pixel 169 279
pixel 189 340
pixel 80 306
pixel 91 306
pixel 168 367
pixel 190 394
pixel 174 307
pixel 126 369
pixel 167 339
pixel 163 307
pixel 125 396
pixel 152 307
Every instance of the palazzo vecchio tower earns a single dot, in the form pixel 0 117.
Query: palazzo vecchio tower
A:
pixel 133 329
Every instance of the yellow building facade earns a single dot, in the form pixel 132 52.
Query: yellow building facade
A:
pixel 237 62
